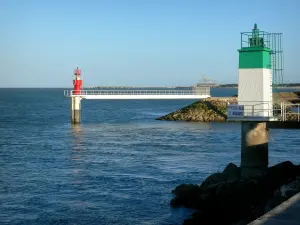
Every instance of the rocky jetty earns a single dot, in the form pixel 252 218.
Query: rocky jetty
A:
pixel 226 198
pixel 208 110
pixel 214 109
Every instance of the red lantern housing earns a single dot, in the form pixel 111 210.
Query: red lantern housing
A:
pixel 77 82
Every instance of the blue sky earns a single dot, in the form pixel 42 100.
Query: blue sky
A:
pixel 136 42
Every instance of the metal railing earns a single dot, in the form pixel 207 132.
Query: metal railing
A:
pixel 290 111
pixel 258 109
pixel 70 93
pixel 282 111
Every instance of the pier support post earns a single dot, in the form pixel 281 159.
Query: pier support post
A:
pixel 76 108
pixel 254 151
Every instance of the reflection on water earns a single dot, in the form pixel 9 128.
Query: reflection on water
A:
pixel 78 145
pixel 78 157
pixel 77 130
pixel 78 137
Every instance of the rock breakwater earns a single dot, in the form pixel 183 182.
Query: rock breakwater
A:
pixel 227 198
pixel 209 110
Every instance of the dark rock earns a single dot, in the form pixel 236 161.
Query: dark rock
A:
pixel 290 189
pixel 196 219
pixel 208 218
pixel 257 211
pixel 233 172
pixel 241 222
pixel 205 197
pixel 232 201
pixel 290 193
pixel 187 195
pixel 279 175
pixel 229 168
pixel 224 198
pixel 213 181
pixel 183 188
pixel 273 202
pixel 295 184
pixel 298 170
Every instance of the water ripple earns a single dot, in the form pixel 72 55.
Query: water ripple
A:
pixel 118 167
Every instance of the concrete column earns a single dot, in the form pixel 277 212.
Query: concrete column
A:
pixel 254 152
pixel 76 108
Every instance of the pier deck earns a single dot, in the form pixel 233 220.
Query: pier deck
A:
pixel 287 213
pixel 139 94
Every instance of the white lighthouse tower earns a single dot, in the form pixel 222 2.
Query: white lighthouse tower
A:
pixel 260 67
pixel 255 76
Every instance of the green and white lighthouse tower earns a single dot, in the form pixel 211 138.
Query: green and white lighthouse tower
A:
pixel 260 70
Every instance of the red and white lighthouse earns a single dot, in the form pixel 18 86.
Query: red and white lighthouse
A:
pixel 77 82
pixel 76 97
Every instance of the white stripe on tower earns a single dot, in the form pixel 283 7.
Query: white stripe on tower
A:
pixel 255 88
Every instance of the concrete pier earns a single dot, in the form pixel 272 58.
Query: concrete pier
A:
pixel 286 213
pixel 254 148
pixel 76 110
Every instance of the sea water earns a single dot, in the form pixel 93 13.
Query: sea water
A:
pixel 118 167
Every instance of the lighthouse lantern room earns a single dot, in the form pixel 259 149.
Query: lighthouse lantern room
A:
pixel 77 82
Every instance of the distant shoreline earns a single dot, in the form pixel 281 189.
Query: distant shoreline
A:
pixel 296 87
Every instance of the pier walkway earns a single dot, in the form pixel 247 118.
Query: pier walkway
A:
pixel 197 93
pixel 287 213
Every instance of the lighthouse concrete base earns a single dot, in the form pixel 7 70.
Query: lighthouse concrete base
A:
pixel 254 151
pixel 76 116
pixel 76 110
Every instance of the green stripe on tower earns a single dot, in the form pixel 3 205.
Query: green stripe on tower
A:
pixel 254 57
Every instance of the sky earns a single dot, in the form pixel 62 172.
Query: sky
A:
pixel 136 42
